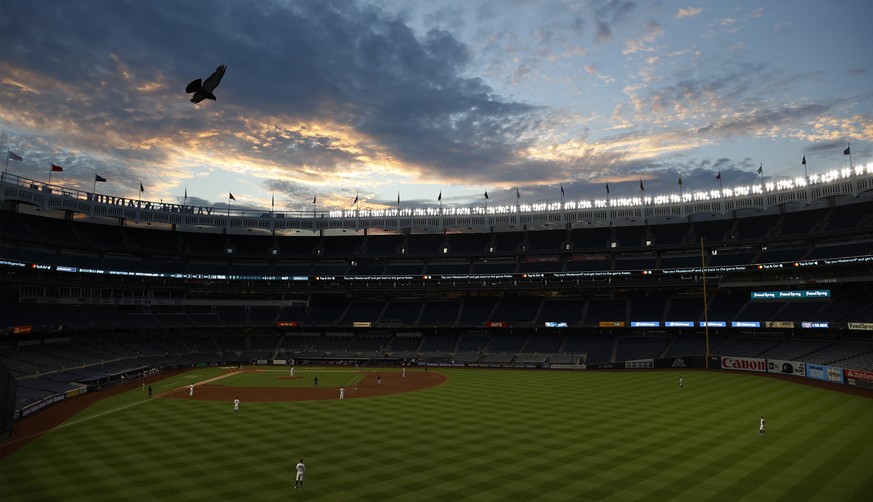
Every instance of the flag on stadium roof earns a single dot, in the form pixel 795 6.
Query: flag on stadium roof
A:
pixel 13 156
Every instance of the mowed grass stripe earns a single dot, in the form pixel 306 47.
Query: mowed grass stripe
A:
pixel 765 460
pixel 484 435
pixel 722 453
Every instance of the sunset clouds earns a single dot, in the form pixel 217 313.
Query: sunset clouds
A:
pixel 371 98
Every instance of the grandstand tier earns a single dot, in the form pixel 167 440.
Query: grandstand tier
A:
pixel 86 299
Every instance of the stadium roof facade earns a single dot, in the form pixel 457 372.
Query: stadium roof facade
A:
pixel 801 192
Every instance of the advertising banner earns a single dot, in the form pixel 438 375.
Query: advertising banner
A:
pixel 795 368
pixel 42 403
pixel 639 364
pixel 826 373
pixel 791 295
pixel 75 392
pixel 818 325
pixel 867 326
pixel 611 324
pixel 541 259
pixel 606 366
pixel 744 364
pixel 859 378
pixel 590 257
pixel 556 324
pixel 779 324
pixel 675 362
pixel 745 324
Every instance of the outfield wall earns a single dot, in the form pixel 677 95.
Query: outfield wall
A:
pixel 8 389
pixel 821 372
pixel 859 378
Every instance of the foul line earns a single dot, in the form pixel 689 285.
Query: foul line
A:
pixel 75 422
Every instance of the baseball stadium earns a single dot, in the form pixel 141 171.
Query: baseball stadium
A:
pixel 581 350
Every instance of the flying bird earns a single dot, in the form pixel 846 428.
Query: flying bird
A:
pixel 204 90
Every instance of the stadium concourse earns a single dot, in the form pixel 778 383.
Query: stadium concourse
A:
pixel 91 296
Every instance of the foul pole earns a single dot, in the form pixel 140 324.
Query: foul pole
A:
pixel 705 302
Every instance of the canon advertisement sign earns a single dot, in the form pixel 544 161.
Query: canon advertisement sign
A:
pixel 744 364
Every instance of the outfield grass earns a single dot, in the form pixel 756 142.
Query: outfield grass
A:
pixel 484 435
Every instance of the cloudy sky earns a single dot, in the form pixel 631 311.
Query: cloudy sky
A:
pixel 330 99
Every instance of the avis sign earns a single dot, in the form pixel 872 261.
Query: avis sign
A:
pixel 744 364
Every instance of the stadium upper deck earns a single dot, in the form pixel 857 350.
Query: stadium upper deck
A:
pixel 800 192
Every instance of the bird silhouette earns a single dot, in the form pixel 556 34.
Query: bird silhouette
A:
pixel 204 90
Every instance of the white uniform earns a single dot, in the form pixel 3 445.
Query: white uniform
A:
pixel 236 405
pixel 681 382
pixel 292 371
pixel 404 372
pixel 342 392
pixel 191 390
pixel 301 470
pixel 761 429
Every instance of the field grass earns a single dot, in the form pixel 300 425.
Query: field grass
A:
pixel 484 435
